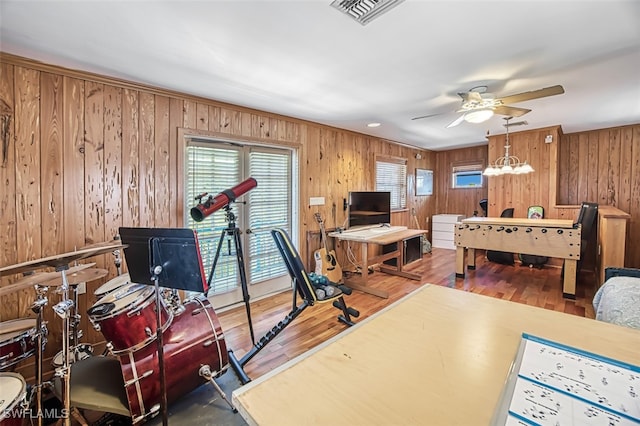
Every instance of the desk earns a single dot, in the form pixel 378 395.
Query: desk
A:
pixel 364 239
pixel 439 356
pixel 545 237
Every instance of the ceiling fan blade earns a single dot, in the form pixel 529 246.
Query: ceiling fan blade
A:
pixel 426 116
pixel 511 111
pixel 456 121
pixel 534 94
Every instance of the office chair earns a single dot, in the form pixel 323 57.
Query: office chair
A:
pixel 502 256
pixel 586 218
pixel 531 260
pixel 484 203
pixel 303 287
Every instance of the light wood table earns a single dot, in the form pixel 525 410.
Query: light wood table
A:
pixel 364 238
pixel 439 356
pixel 545 237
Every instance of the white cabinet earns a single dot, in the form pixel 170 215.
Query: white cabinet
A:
pixel 443 229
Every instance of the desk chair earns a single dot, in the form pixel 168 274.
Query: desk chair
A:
pixel 303 287
pixel 586 218
pixel 502 256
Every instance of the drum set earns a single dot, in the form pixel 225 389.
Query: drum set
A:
pixel 128 315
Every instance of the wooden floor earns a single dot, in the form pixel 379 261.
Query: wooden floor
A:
pixel 536 287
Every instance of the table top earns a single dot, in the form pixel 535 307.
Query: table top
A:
pixel 373 237
pixel 439 356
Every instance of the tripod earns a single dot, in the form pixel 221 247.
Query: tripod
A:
pixel 232 231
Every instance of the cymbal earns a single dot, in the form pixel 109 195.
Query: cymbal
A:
pixel 40 278
pixel 78 277
pixel 60 260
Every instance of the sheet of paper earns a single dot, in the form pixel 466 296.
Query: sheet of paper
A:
pixel 558 385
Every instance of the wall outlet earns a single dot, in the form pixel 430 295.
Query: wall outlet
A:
pixel 316 201
pixel 548 139
pixel 82 288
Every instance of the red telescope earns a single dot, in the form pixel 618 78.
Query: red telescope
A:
pixel 213 204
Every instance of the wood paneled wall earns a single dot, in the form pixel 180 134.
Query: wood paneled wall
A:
pixel 458 200
pixel 603 166
pixel 600 166
pixel 83 155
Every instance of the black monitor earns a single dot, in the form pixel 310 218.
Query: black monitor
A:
pixel 369 208
pixel 175 249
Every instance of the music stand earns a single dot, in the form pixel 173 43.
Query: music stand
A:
pixel 167 257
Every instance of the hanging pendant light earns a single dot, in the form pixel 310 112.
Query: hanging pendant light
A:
pixel 507 164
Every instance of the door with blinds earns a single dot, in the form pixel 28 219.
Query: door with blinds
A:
pixel 213 167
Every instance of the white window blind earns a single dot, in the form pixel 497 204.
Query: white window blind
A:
pixel 270 205
pixel 391 175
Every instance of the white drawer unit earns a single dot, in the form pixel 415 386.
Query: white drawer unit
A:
pixel 442 230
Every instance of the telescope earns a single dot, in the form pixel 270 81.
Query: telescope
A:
pixel 213 204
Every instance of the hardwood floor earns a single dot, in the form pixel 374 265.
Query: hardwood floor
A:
pixel 536 287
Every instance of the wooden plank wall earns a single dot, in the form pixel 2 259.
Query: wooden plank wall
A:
pixel 603 166
pixel 83 155
pixel 461 200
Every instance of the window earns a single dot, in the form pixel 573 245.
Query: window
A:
pixel 213 167
pixel 467 175
pixel 391 175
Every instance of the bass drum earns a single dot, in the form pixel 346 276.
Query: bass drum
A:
pixel 127 317
pixel 13 393
pixel 18 340
pixel 194 339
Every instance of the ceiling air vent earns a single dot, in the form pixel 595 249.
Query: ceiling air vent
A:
pixel 365 11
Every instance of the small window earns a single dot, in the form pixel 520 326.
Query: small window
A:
pixel 467 176
pixel 391 175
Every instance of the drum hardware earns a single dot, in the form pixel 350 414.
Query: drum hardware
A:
pixel 117 259
pixel 37 307
pixel 205 371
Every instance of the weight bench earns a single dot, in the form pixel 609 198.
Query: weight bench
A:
pixel 304 288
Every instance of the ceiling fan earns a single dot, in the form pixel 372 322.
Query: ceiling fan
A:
pixel 478 105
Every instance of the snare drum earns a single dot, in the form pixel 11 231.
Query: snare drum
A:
pixel 13 394
pixel 194 339
pixel 127 317
pixel 112 285
pixel 18 340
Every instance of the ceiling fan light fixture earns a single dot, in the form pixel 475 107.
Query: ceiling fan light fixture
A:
pixel 478 116
pixel 507 164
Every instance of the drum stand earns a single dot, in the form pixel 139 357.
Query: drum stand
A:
pixel 38 305
pixel 63 310
pixel 233 231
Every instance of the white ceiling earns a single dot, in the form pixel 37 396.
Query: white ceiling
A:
pixel 305 59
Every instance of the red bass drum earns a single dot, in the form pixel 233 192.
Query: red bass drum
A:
pixel 193 339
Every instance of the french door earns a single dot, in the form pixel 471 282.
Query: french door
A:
pixel 214 166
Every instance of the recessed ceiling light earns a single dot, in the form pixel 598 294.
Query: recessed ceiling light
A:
pixel 373 125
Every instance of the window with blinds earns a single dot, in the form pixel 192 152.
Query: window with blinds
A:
pixel 466 175
pixel 213 167
pixel 391 175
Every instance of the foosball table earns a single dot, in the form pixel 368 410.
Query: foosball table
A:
pixel 557 238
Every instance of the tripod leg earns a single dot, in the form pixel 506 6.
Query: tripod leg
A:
pixel 215 259
pixel 243 281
